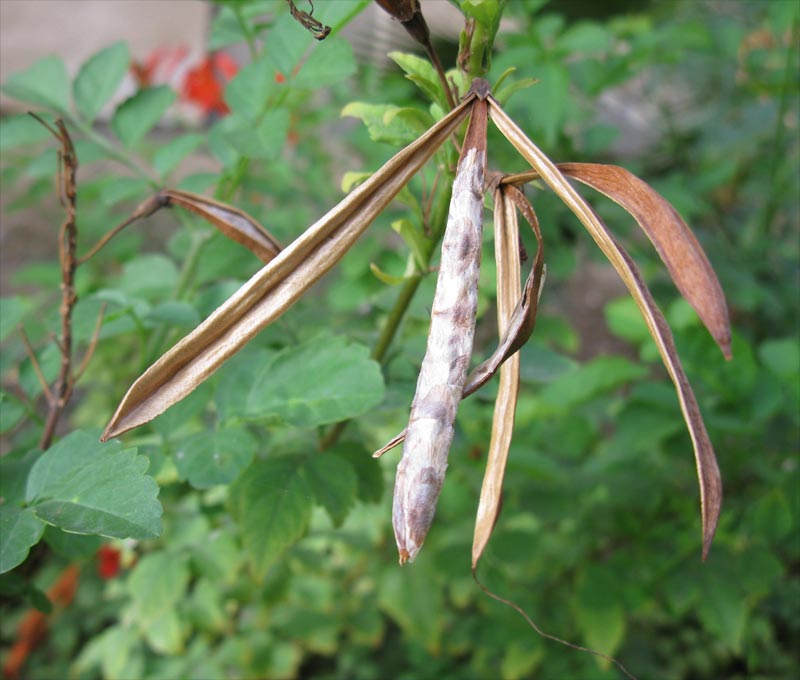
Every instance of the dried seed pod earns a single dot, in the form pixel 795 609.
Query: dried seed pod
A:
pixel 429 434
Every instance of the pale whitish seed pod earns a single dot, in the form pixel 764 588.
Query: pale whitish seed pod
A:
pixel 421 470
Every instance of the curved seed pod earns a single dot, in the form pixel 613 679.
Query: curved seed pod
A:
pixel 421 470
pixel 236 224
pixel 707 469
pixel 509 295
pixel 674 242
pixel 276 286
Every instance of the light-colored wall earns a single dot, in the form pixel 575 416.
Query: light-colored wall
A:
pixel 76 29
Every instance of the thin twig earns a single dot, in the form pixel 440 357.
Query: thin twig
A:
pixel 59 395
pixel 533 625
pixel 37 368
pixel 92 343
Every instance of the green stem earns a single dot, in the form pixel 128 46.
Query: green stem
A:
pixel 401 304
pixel 112 151
pixel 246 31
pixel 199 240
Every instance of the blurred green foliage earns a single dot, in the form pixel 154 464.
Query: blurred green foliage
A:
pixel 276 561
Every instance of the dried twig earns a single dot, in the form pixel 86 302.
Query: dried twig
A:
pixel 58 397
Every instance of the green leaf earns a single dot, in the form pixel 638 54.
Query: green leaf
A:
pixel 86 487
pixel 413 599
pixel 157 584
pixel 12 309
pixel 599 375
pixel 16 131
pixel 420 72
pixel 334 483
pixel 330 62
pixel 625 320
pixel 72 546
pixel 782 357
pixel 121 189
pixel 165 634
pixel 173 152
pixel 262 140
pixel 270 502
pixel 248 92
pixel 99 78
pixel 149 276
pixel 20 529
pixel 12 411
pixel 389 123
pixel 136 116
pixel 723 611
pixel 208 459
pixel 44 84
pixel 553 88
pixel 321 381
pixel 599 613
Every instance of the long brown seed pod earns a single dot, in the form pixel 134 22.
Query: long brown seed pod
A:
pixel 421 470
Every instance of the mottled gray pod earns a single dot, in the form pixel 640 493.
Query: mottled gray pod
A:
pixel 420 473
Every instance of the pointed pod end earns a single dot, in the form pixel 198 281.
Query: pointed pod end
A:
pixel 404 556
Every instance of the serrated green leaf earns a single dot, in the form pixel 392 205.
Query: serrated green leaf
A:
pixel 420 72
pixel 334 483
pixel 321 381
pixel 86 487
pixel 207 459
pixel 20 529
pixel 389 123
pixel 16 131
pixel 136 116
pixel 271 503
pixel 44 84
pixel 330 62
pixel 156 584
pixel 99 78
pixel 173 152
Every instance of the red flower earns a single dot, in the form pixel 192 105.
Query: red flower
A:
pixel 205 84
pixel 108 559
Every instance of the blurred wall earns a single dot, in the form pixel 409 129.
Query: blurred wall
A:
pixel 76 29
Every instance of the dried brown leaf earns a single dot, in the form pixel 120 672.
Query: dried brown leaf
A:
pixel 675 243
pixel 276 287
pixel 707 469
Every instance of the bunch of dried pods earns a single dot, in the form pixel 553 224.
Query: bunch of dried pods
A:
pixel 444 378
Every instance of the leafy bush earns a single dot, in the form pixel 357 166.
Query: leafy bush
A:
pixel 218 542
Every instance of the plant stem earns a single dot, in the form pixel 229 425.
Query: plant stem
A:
pixel 401 304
